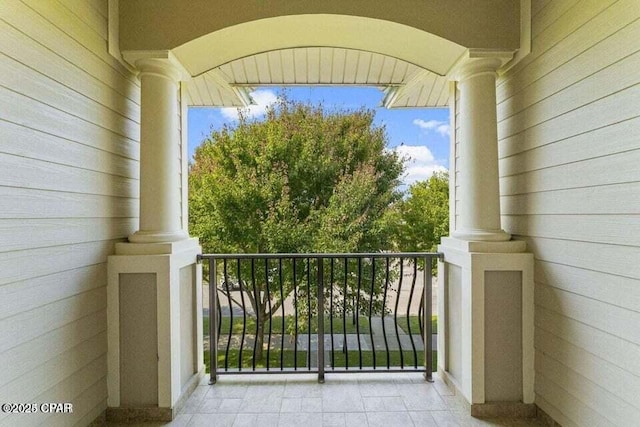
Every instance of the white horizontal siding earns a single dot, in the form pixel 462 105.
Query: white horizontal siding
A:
pixel 44 90
pixel 89 15
pixel 615 380
pixel 20 47
pixel 19 110
pixel 99 63
pixel 620 137
pixel 569 143
pixel 24 142
pixel 574 411
pixel 16 202
pixel 43 175
pixel 60 382
pixel 605 54
pixel 616 290
pixel 40 233
pixel 611 319
pixel 583 25
pixel 593 394
pixel 69 131
pixel 609 229
pixel 615 350
pixel 610 199
pixel 58 341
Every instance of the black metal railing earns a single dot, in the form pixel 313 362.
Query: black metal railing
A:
pixel 270 313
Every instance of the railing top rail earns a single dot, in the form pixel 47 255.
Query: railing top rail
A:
pixel 324 255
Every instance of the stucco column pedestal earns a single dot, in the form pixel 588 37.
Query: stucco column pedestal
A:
pixel 154 290
pixel 485 308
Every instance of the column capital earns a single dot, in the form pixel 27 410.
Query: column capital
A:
pixel 480 61
pixel 161 63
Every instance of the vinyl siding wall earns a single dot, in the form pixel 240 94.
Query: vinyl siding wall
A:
pixel 569 137
pixel 69 152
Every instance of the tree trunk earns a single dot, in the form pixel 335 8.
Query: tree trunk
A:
pixel 260 338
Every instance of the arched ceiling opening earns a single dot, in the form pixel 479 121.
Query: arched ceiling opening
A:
pixel 408 64
pixel 387 38
pixel 408 55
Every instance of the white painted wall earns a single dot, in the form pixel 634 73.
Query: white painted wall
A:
pixel 569 131
pixel 68 186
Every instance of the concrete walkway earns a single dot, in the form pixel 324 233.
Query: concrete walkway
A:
pixel 393 341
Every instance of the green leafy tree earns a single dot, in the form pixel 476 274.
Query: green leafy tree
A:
pixel 303 180
pixel 424 214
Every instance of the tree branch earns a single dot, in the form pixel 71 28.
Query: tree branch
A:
pixel 228 295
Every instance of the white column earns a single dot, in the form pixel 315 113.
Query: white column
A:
pixel 159 152
pixel 154 287
pixel 479 192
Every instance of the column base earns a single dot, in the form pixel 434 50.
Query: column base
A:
pixel 511 410
pixel 158 237
pixel 485 307
pixel 482 235
pixel 131 415
pixel 504 410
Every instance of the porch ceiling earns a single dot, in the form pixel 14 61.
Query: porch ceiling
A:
pixel 404 84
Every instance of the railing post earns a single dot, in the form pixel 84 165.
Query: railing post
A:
pixel 426 319
pixel 213 322
pixel 320 319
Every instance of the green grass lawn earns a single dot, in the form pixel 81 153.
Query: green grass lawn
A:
pixel 274 359
pixel 339 359
pixel 303 327
pixel 415 324
pixel 408 359
pixel 289 325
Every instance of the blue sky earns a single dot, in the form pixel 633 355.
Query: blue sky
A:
pixel 421 134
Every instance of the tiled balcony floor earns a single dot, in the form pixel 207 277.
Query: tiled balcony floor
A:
pixel 349 400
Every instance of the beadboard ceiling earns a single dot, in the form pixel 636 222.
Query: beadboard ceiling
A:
pixel 404 85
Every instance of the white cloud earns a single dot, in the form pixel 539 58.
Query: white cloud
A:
pixel 436 125
pixel 263 98
pixel 420 163
pixel 443 130
pixel 431 124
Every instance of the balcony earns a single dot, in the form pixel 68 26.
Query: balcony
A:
pixel 86 166
pixel 362 363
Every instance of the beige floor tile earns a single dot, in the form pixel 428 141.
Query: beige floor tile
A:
pixel 212 420
pixel 300 419
pixel 301 404
pixel 260 404
pixel 383 404
pixel 445 419
pixel 389 419
pixel 303 389
pixel 226 391
pixel 378 388
pixel 253 420
pixel 356 419
pixel 423 419
pixel 333 419
pixel 336 399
